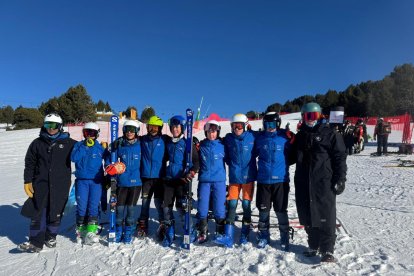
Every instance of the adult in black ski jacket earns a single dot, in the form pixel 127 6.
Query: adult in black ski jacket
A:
pixel 47 180
pixel 320 176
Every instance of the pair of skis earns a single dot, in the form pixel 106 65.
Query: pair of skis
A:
pixel 112 199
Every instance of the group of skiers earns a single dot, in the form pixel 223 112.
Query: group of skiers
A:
pixel 155 165
pixel 356 136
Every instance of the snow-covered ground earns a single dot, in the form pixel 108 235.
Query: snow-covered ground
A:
pixel 376 236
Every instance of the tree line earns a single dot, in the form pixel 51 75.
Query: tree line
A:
pixel 393 95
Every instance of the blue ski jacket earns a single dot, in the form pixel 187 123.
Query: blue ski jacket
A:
pixel 212 167
pixel 240 157
pixel 153 156
pixel 88 161
pixel 129 154
pixel 176 158
pixel 272 149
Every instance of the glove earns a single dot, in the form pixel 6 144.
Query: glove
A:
pixel 116 168
pixel 339 187
pixel 28 189
pixel 89 142
pixel 189 177
pixel 104 145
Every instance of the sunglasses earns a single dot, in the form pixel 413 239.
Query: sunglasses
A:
pixel 238 126
pixel 311 116
pixel 51 125
pixel 131 129
pixel 90 133
pixel 269 125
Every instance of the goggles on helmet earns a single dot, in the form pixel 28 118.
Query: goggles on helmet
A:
pixel 90 132
pixel 175 122
pixel 51 125
pixel 311 116
pixel 238 125
pixel 131 129
pixel 212 128
pixel 269 125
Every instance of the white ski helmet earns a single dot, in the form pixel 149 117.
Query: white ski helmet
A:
pixel 133 123
pixel 210 123
pixel 53 117
pixel 239 118
pixel 91 126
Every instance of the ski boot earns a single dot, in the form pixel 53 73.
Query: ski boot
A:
pixel 169 235
pixel 263 238
pixel 161 231
pixel 51 242
pixel 29 247
pixel 119 233
pixel 142 229
pixel 245 231
pixel 128 234
pixel 91 234
pixel 283 219
pixel 310 252
pixel 80 233
pixel 327 257
pixel 202 233
pixel 227 238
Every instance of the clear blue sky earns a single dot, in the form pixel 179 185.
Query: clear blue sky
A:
pixel 240 55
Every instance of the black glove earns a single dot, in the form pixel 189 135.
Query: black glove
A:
pixel 339 187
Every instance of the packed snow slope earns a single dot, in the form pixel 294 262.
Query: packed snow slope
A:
pixel 375 212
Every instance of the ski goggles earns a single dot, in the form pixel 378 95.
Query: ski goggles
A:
pixel 131 129
pixel 212 128
pixel 269 125
pixel 176 122
pixel 51 125
pixel 238 125
pixel 311 116
pixel 90 133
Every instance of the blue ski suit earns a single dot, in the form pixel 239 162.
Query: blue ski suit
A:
pixel 128 153
pixel 89 178
pixel 212 178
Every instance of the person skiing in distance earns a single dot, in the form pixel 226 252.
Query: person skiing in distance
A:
pixel 319 177
pixel 211 180
pixel 176 181
pixel 242 174
pixel 272 147
pixel 47 180
pixel 153 164
pixel 348 135
pixel 128 152
pixel 88 157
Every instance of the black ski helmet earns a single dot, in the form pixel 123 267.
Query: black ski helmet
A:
pixel 272 117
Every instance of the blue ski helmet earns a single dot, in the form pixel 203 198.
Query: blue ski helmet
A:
pixel 177 120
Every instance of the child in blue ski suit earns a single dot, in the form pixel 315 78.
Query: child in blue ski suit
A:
pixel 212 179
pixel 153 164
pixel 176 179
pixel 242 174
pixel 88 157
pixel 128 151
pixel 272 147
